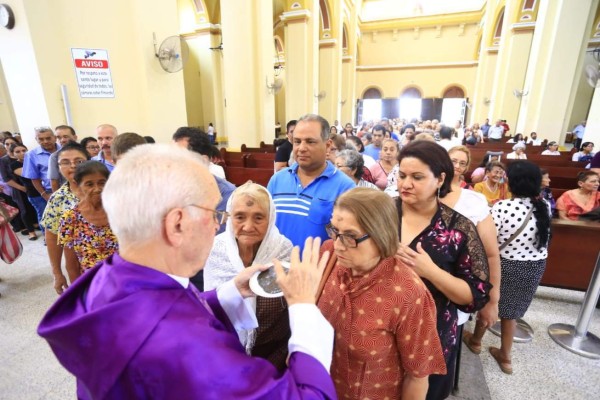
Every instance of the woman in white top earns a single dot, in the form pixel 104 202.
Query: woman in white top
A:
pixel 523 224
pixel 474 206
pixel 552 150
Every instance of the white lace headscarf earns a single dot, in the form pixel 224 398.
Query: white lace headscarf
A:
pixel 224 261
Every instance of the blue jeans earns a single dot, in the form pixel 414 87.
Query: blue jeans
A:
pixel 40 205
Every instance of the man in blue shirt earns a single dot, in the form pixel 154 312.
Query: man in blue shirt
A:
pixel 374 148
pixel 106 134
pixel 485 127
pixel 304 193
pixel 35 167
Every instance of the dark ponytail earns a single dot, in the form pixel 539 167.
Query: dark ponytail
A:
pixel 525 181
pixel 542 218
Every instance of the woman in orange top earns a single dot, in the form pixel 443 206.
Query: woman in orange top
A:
pixel 493 188
pixel 386 341
pixel 579 201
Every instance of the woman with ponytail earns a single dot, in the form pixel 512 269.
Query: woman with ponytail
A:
pixel 523 225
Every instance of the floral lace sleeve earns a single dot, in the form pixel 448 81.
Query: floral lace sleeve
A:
pixel 472 265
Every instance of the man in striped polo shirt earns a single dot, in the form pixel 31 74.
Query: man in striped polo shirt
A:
pixel 304 193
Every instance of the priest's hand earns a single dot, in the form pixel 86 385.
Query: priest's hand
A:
pixel 242 279
pixel 301 282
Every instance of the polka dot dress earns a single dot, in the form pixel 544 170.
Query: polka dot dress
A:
pixel 522 264
pixel 518 282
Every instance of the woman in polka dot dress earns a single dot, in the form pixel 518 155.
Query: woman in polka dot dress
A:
pixel 523 259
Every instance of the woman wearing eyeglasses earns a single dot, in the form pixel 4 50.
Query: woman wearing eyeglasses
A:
pixel 386 342
pixel 441 245
pixel 251 237
pixel 91 145
pixel 474 206
pixel 84 231
pixel 66 197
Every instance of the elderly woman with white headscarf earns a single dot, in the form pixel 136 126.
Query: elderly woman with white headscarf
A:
pixel 251 237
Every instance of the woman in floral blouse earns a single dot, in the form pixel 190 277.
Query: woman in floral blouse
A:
pixel 84 230
pixel 442 247
pixel 69 157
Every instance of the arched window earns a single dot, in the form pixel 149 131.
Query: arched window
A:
pixel 412 93
pixel 454 92
pixel 372 93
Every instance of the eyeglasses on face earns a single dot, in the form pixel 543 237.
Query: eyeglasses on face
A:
pixel 66 163
pixel 348 240
pixel 92 147
pixel 461 164
pixel 219 216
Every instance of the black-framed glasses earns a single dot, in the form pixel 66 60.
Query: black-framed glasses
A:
pixel 93 147
pixel 347 239
pixel 75 163
pixel 220 216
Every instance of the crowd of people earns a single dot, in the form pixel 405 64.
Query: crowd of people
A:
pixel 392 246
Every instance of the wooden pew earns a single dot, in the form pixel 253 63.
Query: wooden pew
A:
pixel 266 149
pixel 260 160
pixel 239 175
pixel 233 158
pixel 572 254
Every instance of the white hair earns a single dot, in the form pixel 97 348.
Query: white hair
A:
pixel 150 180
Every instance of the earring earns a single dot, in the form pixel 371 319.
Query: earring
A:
pixel 438 193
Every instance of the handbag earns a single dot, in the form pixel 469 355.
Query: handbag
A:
pixel 7 213
pixel 518 232
pixel 10 245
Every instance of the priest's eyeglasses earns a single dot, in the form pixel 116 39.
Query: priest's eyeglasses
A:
pixel 220 216
pixel 348 240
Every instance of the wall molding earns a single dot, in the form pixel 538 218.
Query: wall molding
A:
pixel 456 64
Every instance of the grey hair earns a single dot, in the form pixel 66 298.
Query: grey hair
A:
pixel 353 160
pixel 136 198
pixel 320 120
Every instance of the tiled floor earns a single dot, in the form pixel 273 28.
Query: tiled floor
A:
pixel 543 370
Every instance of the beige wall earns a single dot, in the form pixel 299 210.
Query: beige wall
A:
pixel 431 81
pixel 8 121
pixel 398 61
pixel 147 99
pixel 404 47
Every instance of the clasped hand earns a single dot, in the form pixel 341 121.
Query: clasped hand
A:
pixel 418 260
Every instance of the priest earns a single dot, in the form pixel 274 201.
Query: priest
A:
pixel 133 327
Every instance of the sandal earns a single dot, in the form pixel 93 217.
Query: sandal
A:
pixel 33 237
pixel 475 348
pixel 504 364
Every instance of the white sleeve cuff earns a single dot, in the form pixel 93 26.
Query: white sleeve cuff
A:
pixel 240 313
pixel 311 333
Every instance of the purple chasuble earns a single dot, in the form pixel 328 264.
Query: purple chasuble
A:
pixel 130 332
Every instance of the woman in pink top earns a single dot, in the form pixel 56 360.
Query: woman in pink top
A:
pixel 388 158
pixel 579 201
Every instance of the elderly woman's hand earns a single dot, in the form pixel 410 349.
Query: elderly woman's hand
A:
pixel 418 260
pixel 242 279
pixel 60 283
pixel 301 282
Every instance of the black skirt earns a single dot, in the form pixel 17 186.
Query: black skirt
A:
pixel 519 282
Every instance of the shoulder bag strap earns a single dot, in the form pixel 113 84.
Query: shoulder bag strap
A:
pixel 326 273
pixel 518 232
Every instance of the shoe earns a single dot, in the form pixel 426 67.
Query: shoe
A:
pixel 504 364
pixel 34 237
pixel 24 232
pixel 475 348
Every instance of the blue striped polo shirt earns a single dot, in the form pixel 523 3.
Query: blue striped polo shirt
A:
pixel 304 211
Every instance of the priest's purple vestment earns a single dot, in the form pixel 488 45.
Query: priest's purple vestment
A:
pixel 130 332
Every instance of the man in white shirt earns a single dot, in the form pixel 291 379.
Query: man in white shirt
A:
pixel 533 139
pixel 496 132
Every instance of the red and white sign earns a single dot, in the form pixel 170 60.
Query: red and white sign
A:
pixel 92 70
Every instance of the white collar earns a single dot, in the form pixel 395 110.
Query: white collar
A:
pixel 185 282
